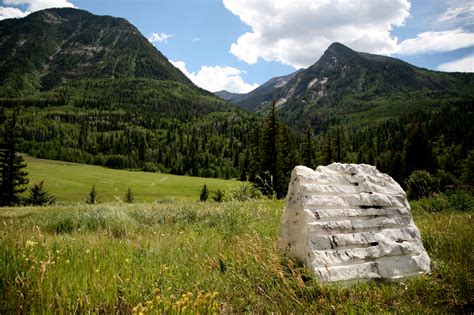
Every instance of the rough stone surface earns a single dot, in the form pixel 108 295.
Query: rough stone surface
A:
pixel 349 222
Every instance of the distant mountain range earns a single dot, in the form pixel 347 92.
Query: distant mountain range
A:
pixel 344 82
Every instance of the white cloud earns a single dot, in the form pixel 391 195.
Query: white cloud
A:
pixel 461 13
pixel 31 6
pixel 9 13
pixel 159 37
pixel 217 78
pixel 297 32
pixel 196 39
pixel 436 42
pixel 465 64
pixel 35 5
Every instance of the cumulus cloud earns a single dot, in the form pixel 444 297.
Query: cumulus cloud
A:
pixel 436 42
pixel 465 64
pixel 217 78
pixel 159 37
pixel 35 5
pixel 297 32
pixel 9 13
pixel 31 6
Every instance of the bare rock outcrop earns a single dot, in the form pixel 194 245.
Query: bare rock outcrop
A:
pixel 350 222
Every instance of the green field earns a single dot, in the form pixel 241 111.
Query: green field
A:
pixel 179 255
pixel 206 257
pixel 71 182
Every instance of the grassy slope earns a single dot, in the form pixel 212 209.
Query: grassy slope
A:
pixel 109 258
pixel 70 182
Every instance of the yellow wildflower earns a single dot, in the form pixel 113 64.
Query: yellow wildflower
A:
pixel 30 243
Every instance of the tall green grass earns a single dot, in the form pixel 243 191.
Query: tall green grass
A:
pixel 116 257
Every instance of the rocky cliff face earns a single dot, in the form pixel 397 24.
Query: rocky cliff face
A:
pixel 350 222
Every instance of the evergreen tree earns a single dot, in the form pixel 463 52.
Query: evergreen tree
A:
pixel 219 196
pixel 129 196
pixel 308 156
pixel 204 193
pixel 328 158
pixel 92 198
pixel 338 145
pixel 288 150
pixel 269 172
pixel 417 150
pixel 13 179
pixel 39 196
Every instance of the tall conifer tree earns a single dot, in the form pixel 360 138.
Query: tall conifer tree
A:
pixel 271 149
pixel 13 178
pixel 308 157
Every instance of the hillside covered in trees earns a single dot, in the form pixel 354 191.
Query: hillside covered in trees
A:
pixel 113 107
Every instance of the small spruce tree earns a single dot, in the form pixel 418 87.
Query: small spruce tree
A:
pixel 92 196
pixel 129 196
pixel 39 196
pixel 204 193
pixel 219 196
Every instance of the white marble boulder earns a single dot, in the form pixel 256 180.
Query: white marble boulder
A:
pixel 350 222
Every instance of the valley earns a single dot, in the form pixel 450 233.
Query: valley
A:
pixel 88 103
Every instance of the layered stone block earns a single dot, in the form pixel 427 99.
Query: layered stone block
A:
pixel 350 222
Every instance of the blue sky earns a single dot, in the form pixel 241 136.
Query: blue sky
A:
pixel 239 44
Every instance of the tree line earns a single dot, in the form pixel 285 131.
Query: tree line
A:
pixel 235 144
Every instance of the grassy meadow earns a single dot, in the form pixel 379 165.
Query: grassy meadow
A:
pixel 71 182
pixel 170 253
pixel 208 257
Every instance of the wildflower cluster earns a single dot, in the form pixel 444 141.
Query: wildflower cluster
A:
pixel 33 259
pixel 204 303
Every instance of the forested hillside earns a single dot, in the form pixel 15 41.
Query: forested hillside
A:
pixel 345 86
pixel 92 89
pixel 115 100
pixel 213 145
pixel 51 47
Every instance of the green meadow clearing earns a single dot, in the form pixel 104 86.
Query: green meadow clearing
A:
pixel 71 182
pixel 184 256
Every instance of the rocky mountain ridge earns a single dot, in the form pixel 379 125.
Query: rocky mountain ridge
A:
pixel 344 81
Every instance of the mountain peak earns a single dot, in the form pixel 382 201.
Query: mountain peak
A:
pixel 337 45
pixel 338 52
pixel 71 44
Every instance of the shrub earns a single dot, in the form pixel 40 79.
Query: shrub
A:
pixel 60 223
pixel 245 192
pixel 445 180
pixel 461 200
pixel 434 203
pixel 421 184
pixel 219 196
